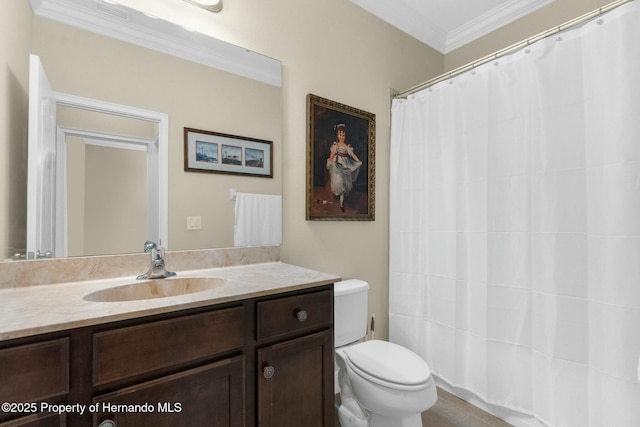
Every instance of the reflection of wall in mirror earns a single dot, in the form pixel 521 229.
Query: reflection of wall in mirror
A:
pixel 192 95
pixel 115 220
pixel 15 20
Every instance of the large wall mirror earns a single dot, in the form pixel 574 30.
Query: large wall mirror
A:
pixel 237 95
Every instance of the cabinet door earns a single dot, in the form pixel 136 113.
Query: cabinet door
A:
pixel 37 372
pixel 295 382
pixel 34 372
pixel 38 420
pixel 211 395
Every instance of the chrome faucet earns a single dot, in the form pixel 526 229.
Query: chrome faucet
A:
pixel 157 269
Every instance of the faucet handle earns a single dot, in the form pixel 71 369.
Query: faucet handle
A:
pixel 158 253
pixel 149 246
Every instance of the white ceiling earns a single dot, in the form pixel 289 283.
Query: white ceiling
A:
pixel 448 24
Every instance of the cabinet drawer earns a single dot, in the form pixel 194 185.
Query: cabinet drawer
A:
pixel 136 350
pixel 298 313
pixel 34 372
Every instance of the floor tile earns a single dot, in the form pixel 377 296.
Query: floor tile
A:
pixel 451 411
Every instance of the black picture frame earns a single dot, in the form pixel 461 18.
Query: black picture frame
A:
pixel 215 152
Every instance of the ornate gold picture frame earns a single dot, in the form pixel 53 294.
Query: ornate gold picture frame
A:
pixel 340 161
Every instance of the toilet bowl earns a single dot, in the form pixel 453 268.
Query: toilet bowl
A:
pixel 381 384
pixel 392 384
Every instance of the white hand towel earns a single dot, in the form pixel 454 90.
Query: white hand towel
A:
pixel 258 220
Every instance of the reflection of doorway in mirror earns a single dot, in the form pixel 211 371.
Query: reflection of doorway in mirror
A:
pixel 106 182
pixel 122 128
pixel 106 196
pixel 99 119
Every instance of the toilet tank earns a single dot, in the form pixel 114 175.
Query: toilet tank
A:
pixel 350 298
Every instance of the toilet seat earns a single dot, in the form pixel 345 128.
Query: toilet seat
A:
pixel 389 365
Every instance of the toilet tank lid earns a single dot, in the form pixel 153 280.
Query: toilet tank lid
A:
pixel 349 286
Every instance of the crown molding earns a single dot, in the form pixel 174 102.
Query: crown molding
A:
pixel 131 26
pixel 491 21
pixel 420 26
pixel 401 16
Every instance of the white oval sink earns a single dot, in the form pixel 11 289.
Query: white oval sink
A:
pixel 157 288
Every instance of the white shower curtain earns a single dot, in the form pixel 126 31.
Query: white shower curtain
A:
pixel 515 227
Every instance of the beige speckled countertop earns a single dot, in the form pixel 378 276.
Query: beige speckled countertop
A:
pixel 32 310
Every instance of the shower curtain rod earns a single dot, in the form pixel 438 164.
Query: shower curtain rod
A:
pixel 514 47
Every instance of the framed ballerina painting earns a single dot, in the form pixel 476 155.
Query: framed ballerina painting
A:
pixel 340 161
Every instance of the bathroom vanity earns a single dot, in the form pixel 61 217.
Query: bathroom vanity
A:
pixel 253 352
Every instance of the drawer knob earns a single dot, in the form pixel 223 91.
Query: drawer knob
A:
pixel 268 371
pixel 302 315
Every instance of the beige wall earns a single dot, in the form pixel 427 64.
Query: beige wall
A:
pixel 541 20
pixel 115 221
pixel 15 42
pixel 333 49
pixel 76 171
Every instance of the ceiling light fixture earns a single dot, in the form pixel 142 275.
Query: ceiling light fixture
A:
pixel 210 5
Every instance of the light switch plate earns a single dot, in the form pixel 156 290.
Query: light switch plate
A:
pixel 194 223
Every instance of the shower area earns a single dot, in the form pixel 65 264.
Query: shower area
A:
pixel 515 227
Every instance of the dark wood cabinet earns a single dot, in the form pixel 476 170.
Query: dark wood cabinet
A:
pixel 292 383
pixel 131 352
pixel 210 395
pixel 32 375
pixel 265 362
pixel 286 316
pixel 38 420
pixel 295 369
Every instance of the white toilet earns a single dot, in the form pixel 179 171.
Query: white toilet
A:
pixel 381 384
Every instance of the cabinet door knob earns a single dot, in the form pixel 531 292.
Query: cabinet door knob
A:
pixel 268 371
pixel 302 315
